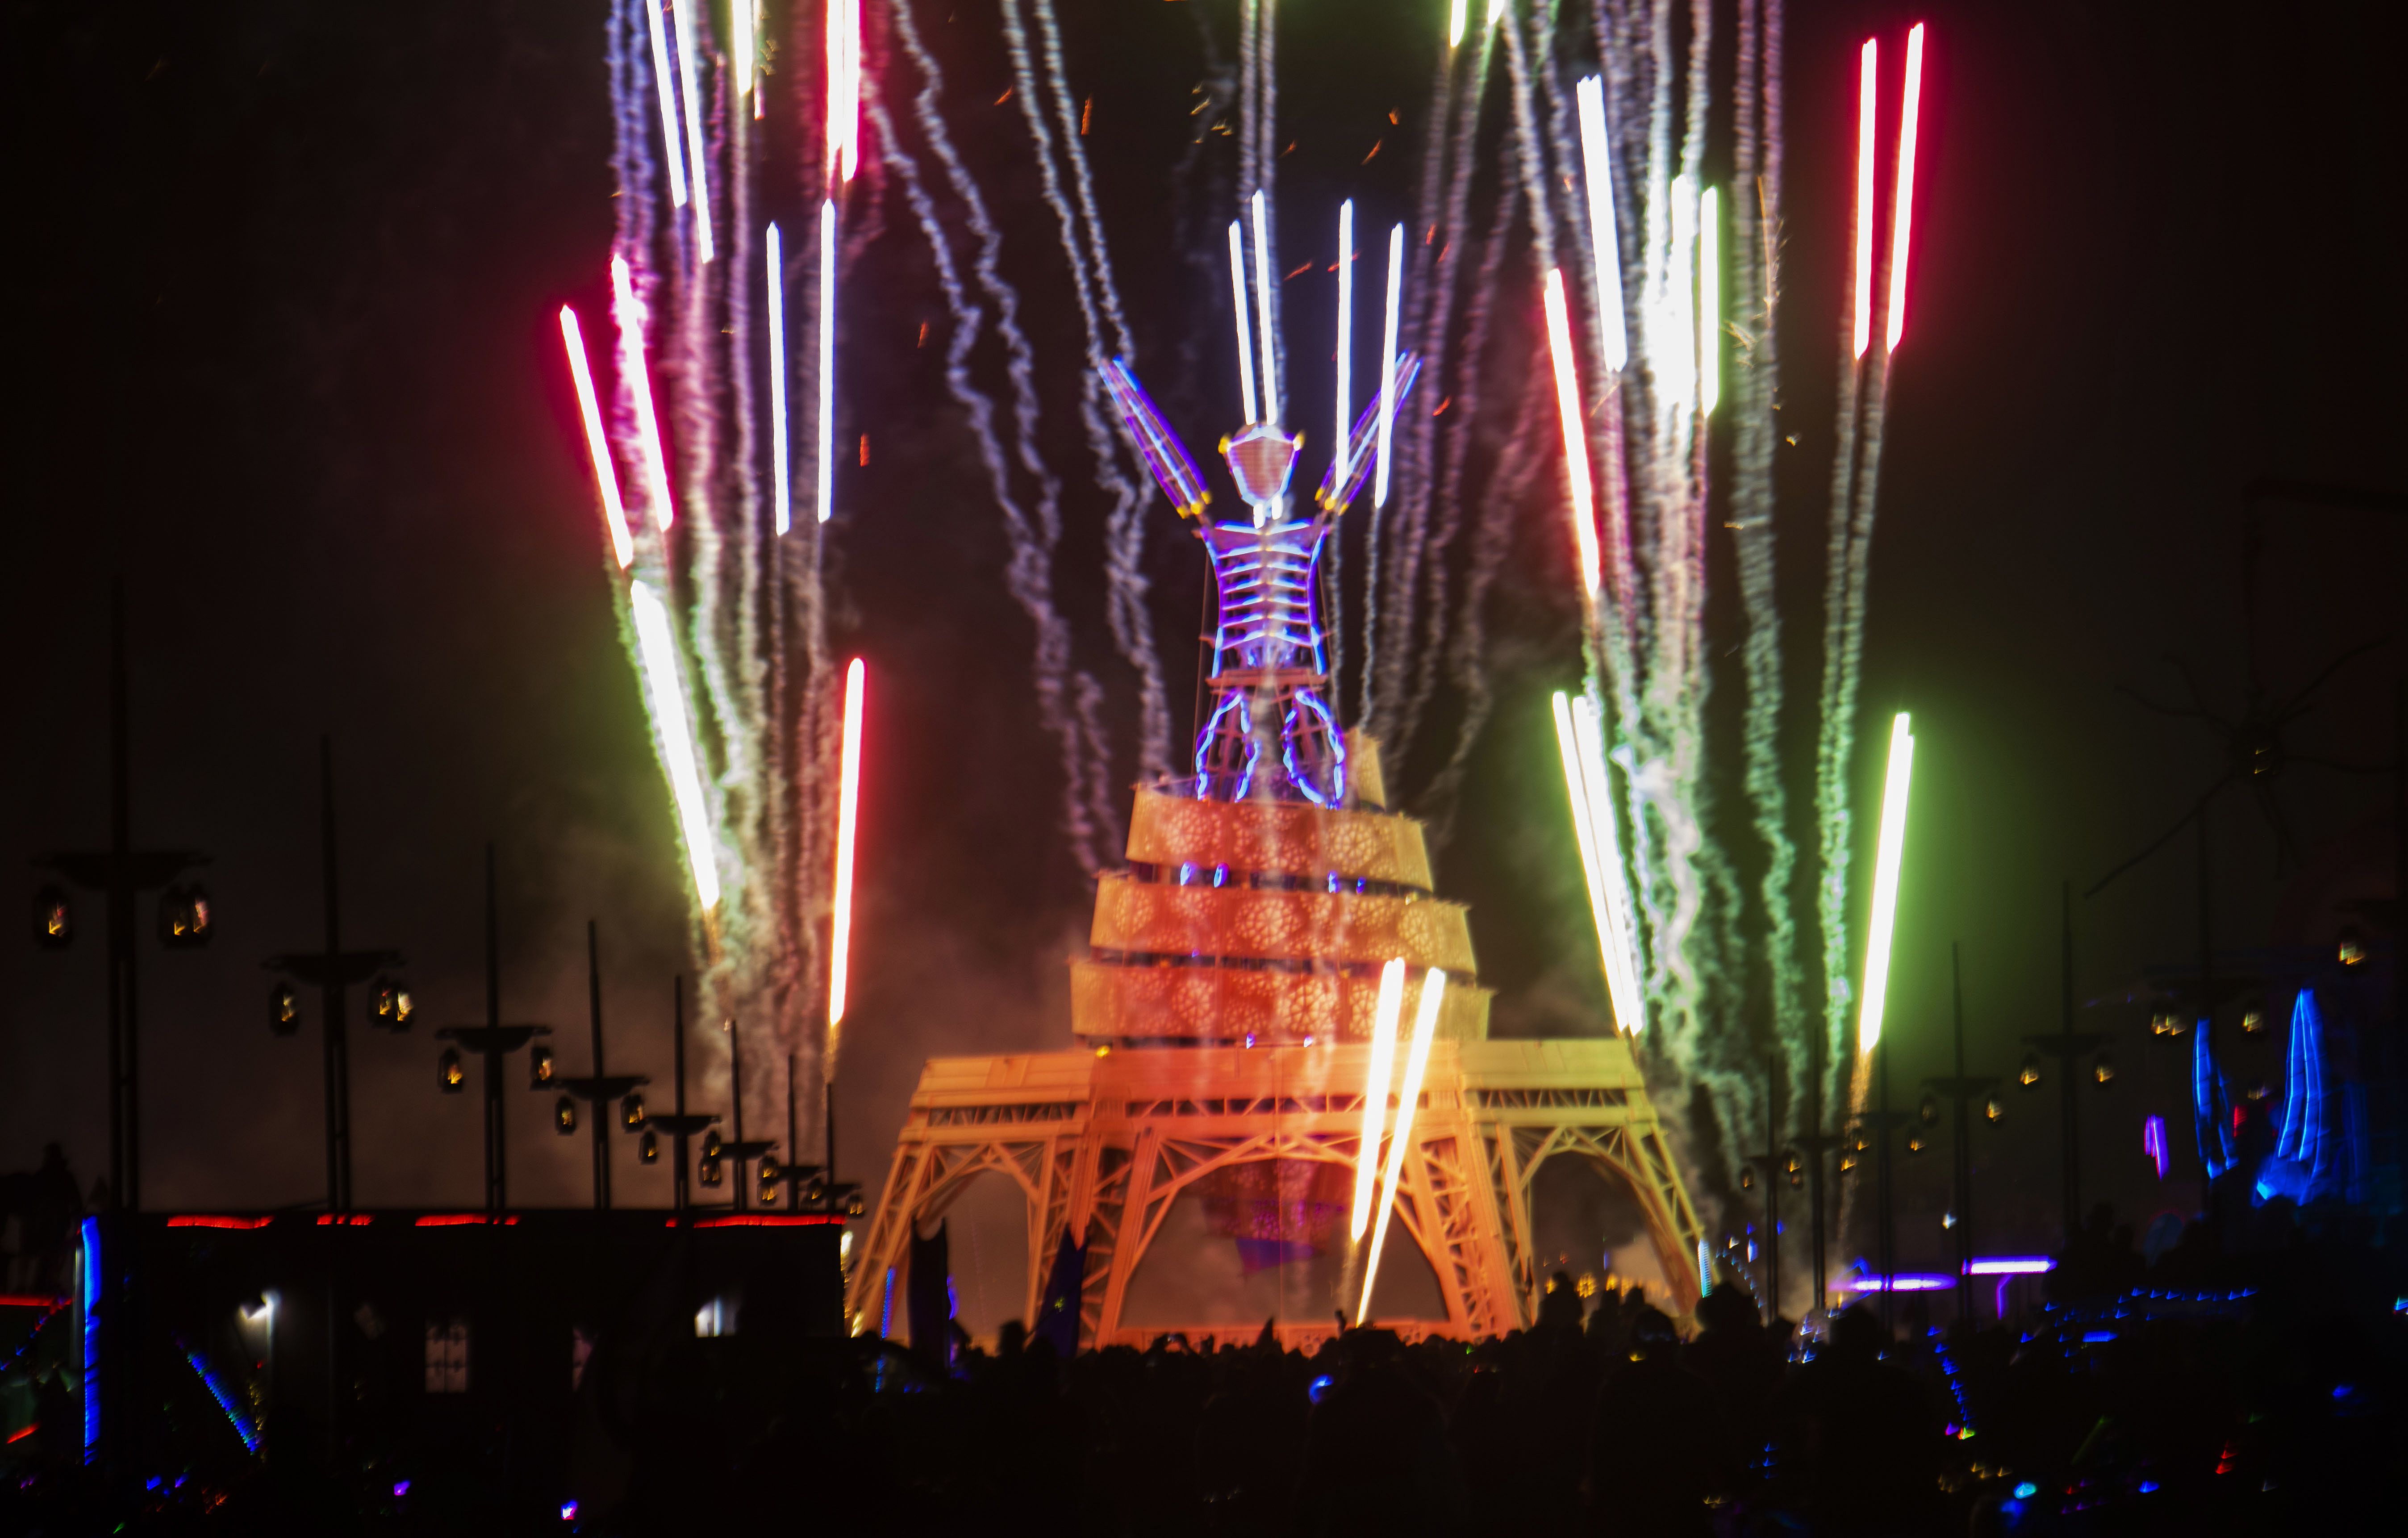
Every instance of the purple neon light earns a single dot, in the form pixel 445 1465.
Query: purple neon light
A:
pixel 2153 1142
pixel 1904 1281
pixel 2010 1265
pixel 1363 444
pixel 1165 455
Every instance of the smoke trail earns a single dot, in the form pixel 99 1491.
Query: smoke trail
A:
pixel 1404 581
pixel 1030 574
pixel 1431 660
pixel 1518 465
pixel 1410 445
pixel 1132 625
pixel 1126 609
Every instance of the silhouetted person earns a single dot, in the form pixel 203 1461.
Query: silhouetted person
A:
pixel 47 1209
pixel 1736 1355
pixel 1860 1444
pixel 1376 1458
pixel 1659 1444
pixel 1560 1309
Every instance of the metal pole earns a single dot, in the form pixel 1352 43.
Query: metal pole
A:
pixel 1887 1236
pixel 1815 1169
pixel 736 1093
pixel 601 1106
pixel 2068 1063
pixel 497 1181
pixel 337 1043
pixel 676 1041
pixel 1773 1179
pixel 122 1181
pixel 1962 1170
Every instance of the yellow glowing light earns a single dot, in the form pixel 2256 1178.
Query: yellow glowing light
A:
pixel 657 646
pixel 1425 1031
pixel 1885 872
pixel 598 442
pixel 1559 344
pixel 847 807
pixel 1584 781
pixel 1375 1093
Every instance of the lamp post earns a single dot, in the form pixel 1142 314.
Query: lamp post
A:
pixel 811 1188
pixel 1769 1167
pixel 122 872
pixel 679 1124
pixel 2069 1047
pixel 743 1150
pixel 1962 1088
pixel 497 1041
pixel 1881 1121
pixel 601 1087
pixel 332 971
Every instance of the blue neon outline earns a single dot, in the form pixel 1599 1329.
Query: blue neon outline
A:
pixel 91 1326
pixel 218 1392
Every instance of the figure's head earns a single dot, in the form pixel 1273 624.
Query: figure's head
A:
pixel 1261 459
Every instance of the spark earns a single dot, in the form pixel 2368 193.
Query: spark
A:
pixel 597 444
pixel 698 147
pixel 1375 1093
pixel 1710 302
pixel 1388 362
pixel 827 359
pixel 848 810
pixel 668 688
pixel 1408 1093
pixel 1263 311
pixel 1676 313
pixel 637 373
pixel 1605 266
pixel 1245 337
pixel 1864 334
pixel 1592 806
pixel 1886 873
pixel 1345 323
pixel 776 275
pixel 670 138
pixel 1903 205
pixel 1455 18
pixel 1559 342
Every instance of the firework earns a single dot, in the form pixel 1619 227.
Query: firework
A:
pixel 1262 311
pixel 1892 853
pixel 1375 1093
pixel 1605 241
pixel 1709 303
pixel 598 442
pixel 629 314
pixel 1568 406
pixel 672 137
pixel 666 683
pixel 1409 1094
pixel 1867 61
pixel 1389 363
pixel 698 147
pixel 1902 226
pixel 1345 319
pixel 828 361
pixel 1245 335
pixel 848 811
pixel 780 476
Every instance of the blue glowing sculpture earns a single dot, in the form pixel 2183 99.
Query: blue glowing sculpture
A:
pixel 1270 734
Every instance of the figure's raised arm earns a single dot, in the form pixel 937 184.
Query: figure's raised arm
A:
pixel 1349 470
pixel 1174 472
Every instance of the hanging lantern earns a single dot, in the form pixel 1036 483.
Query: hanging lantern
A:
pixel 631 1111
pixel 815 1191
pixel 769 1180
pixel 1862 1145
pixel 184 917
pixel 2030 1076
pixel 53 919
pixel 448 1068
pixel 648 1151
pixel 714 1171
pixel 2104 1068
pixel 1747 1177
pixel 390 1006
pixel 1929 1112
pixel 1914 1140
pixel 2253 1019
pixel 855 1202
pixel 1795 1167
pixel 711 1146
pixel 1995 1109
pixel 1848 1162
pixel 564 1115
pixel 540 1066
pixel 283 1009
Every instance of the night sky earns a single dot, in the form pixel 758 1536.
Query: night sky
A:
pixel 283 353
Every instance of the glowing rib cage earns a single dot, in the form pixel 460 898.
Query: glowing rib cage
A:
pixel 1227 1009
